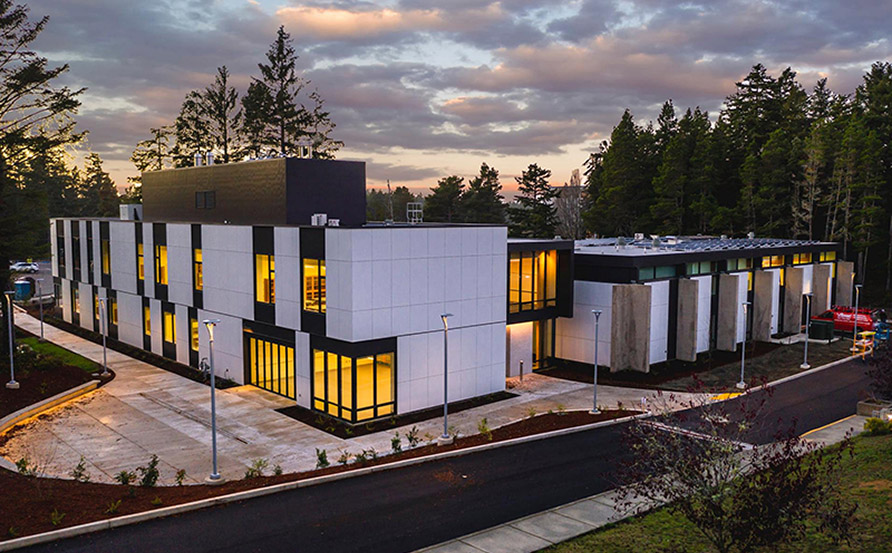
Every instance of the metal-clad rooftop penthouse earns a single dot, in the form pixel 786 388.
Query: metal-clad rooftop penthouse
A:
pixel 282 191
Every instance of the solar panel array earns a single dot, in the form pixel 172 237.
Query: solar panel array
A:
pixel 672 244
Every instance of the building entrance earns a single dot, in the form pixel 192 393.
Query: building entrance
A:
pixel 271 365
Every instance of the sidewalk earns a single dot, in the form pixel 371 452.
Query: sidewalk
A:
pixel 146 410
pixel 541 530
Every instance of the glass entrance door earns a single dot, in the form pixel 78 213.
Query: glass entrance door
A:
pixel 543 343
pixel 271 366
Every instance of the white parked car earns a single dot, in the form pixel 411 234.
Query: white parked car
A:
pixel 24 267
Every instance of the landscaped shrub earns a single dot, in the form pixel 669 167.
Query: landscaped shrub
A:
pixel 321 458
pixel 125 477
pixel 483 428
pixel 396 443
pixel 79 472
pixel 412 436
pixel 180 477
pixel 149 473
pixel 877 427
pixel 257 467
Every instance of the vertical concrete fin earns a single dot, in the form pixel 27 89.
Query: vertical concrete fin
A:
pixel 793 300
pixel 844 282
pixel 686 330
pixel 726 331
pixel 763 283
pixel 820 283
pixel 630 328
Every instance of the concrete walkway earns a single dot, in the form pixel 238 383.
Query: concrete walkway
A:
pixel 146 410
pixel 560 524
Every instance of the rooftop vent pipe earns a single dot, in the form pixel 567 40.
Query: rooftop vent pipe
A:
pixel 197 159
pixel 210 158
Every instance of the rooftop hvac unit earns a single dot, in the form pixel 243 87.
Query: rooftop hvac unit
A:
pixel 639 236
pixel 334 222
pixel 319 219
pixel 414 212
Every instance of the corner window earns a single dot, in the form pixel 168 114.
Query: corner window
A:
pixel 197 274
pixel 532 280
pixel 354 389
pixel 140 262
pixel 265 278
pixel 314 285
pixel 160 264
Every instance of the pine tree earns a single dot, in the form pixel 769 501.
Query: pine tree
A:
pixel 443 203
pixel 151 154
pixel 535 215
pixel 218 103
pixel 98 190
pixel 191 131
pixel 482 201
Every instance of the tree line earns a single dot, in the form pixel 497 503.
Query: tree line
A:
pixel 277 114
pixel 778 160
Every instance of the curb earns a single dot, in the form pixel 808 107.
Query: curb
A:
pixel 803 373
pixel 135 518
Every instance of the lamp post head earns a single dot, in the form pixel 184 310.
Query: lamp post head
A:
pixel 443 318
pixel 210 324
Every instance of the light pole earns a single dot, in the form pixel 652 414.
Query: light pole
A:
pixel 742 384
pixel 595 411
pixel 445 439
pixel 808 297
pixel 40 303
pixel 215 477
pixel 104 308
pixel 12 384
pixel 855 319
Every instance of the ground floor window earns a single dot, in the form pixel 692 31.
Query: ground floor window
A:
pixel 354 388
pixel 169 324
pixel 543 343
pixel 271 366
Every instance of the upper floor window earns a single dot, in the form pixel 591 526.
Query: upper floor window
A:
pixel 265 278
pixel 699 268
pixel 772 261
pixel 314 285
pixel 205 200
pixel 740 264
pixel 532 280
pixel 801 258
pixel 160 264
pixel 652 273
pixel 828 256
pixel 140 262
pixel 198 275
pixel 106 257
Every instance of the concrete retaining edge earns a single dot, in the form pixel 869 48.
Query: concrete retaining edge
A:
pixel 35 409
pixel 135 518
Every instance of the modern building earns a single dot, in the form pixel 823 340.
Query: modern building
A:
pixel 343 316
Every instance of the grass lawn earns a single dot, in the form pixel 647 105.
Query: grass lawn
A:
pixel 62 354
pixel 770 366
pixel 866 479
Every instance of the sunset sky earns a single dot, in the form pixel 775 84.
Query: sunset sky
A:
pixel 420 92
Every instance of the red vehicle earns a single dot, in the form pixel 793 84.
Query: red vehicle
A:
pixel 843 318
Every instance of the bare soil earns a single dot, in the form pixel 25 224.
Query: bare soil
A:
pixel 82 502
pixel 36 385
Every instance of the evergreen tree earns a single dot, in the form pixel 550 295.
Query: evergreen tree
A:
pixel 218 103
pixel 256 104
pixel 443 204
pixel 535 215
pixel 482 201
pixel 100 198
pixel 191 131
pixel 151 154
pixel 377 206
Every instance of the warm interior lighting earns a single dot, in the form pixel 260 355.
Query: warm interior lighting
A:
pixel 272 366
pixel 314 285
pixel 265 278
pixel 140 262
pixel 106 257
pixel 147 320
pixel 198 267
pixel 354 389
pixel 169 322
pixel 532 280
pixel 193 334
pixel 161 264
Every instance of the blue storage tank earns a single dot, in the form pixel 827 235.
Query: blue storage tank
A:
pixel 22 289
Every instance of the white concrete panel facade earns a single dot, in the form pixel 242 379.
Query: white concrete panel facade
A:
pixel 575 338
pixel 704 311
pixel 659 321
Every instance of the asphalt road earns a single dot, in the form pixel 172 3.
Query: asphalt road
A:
pixel 403 510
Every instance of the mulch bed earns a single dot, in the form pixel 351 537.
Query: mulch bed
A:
pixel 87 502
pixel 344 430
pixel 659 374
pixel 36 385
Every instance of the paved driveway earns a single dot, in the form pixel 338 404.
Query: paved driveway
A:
pixel 146 410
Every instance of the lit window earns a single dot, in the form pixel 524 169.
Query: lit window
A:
pixel 353 389
pixel 160 264
pixel 772 261
pixel 801 258
pixel 193 334
pixel 106 257
pixel 828 256
pixel 265 278
pixel 532 280
pixel 95 307
pixel 198 277
pixel 147 320
pixel 169 322
pixel 76 295
pixel 314 285
pixel 272 366
pixel 114 311
pixel 140 263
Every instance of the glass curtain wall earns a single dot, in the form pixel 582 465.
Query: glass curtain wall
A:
pixel 353 388
pixel 532 280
